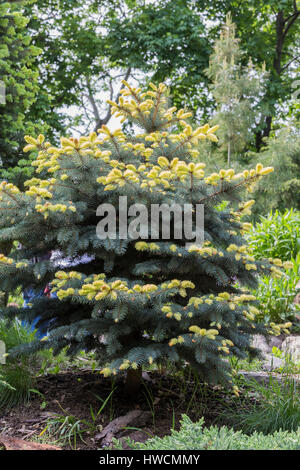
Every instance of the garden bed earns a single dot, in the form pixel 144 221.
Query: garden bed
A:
pixel 163 399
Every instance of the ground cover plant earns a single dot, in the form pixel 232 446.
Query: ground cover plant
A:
pixel 193 436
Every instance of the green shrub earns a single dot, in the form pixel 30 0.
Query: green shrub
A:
pixel 276 295
pixel 276 236
pixel 18 375
pixel 17 378
pixel 282 151
pixel 277 407
pixel 193 436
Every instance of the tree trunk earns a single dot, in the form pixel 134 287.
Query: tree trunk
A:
pixel 134 376
pixel 282 26
pixel 228 154
pixel 133 381
pixel 258 141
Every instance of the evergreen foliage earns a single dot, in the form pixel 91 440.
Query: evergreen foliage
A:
pixel 238 91
pixel 19 74
pixel 282 151
pixel 269 33
pixel 194 436
pixel 135 302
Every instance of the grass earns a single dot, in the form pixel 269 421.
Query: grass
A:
pixel 68 429
pixel 45 438
pixel 274 407
pixel 16 374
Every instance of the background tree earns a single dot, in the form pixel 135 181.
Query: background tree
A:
pixel 269 32
pixel 237 90
pixel 135 302
pixel 75 66
pixel 19 74
pixel 88 47
pixel 283 152
pixel 167 40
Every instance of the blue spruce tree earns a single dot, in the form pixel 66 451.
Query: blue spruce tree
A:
pixel 135 302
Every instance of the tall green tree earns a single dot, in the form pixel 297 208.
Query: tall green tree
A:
pixel 282 151
pixel 167 40
pixel 89 47
pixel 269 32
pixel 19 74
pixel 74 63
pixel 237 90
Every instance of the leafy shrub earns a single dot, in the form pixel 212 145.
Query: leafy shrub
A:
pixel 276 236
pixel 290 365
pixel 193 436
pixel 276 296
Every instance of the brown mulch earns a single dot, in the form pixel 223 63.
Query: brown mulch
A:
pixel 72 392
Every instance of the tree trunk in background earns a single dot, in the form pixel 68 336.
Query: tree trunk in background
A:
pixel 283 26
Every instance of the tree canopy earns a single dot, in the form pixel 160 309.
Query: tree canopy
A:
pixel 19 74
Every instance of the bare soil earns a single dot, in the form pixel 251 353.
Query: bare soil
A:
pixel 163 398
